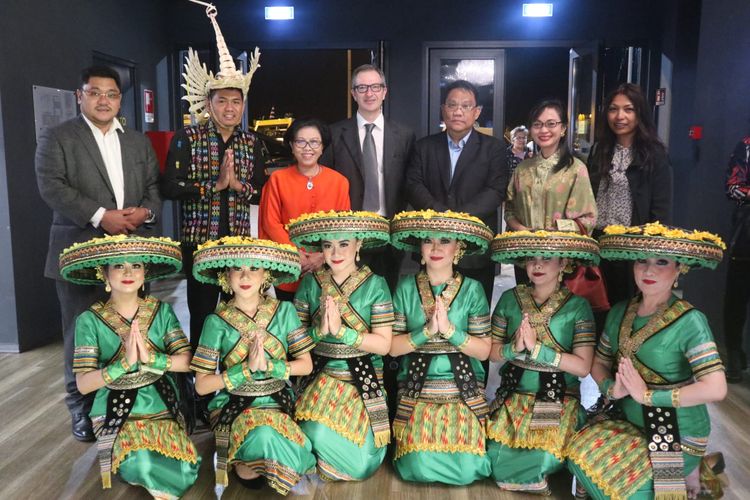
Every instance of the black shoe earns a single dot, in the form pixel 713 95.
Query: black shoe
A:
pixel 82 429
pixel 251 484
pixel 736 362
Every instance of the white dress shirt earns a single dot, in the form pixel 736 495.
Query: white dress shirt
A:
pixel 377 135
pixel 109 147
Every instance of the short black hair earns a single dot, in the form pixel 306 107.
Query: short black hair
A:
pixel 463 85
pixel 291 133
pixel 213 91
pixel 100 71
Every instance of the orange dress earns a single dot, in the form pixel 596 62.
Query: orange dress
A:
pixel 285 196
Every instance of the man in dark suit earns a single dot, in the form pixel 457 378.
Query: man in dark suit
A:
pixel 98 178
pixel 462 170
pixel 372 153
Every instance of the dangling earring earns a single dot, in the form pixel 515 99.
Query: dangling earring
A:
pixel 422 261
pixel 224 283
pixel 356 257
pixel 143 286
pixel 267 282
pixel 676 283
pixel 107 288
pixel 456 258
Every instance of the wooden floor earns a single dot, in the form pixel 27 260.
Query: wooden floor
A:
pixel 40 459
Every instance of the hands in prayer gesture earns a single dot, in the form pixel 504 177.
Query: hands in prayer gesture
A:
pixel 136 349
pixel 256 358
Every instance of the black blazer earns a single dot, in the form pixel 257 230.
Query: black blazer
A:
pixel 650 191
pixel 344 155
pixel 478 184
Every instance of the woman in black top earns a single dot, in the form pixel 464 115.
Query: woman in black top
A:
pixel 630 174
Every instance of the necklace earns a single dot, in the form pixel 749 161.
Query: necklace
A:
pixel 310 178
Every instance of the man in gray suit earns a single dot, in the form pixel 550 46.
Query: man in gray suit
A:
pixel 372 153
pixel 98 178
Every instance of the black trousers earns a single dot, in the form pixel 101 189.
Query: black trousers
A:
pixel 736 297
pixel 202 299
pixel 75 299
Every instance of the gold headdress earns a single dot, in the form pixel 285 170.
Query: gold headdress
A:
pixel 199 82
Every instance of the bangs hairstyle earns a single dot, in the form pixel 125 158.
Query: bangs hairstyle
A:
pixel 566 157
pixel 300 123
pixel 647 148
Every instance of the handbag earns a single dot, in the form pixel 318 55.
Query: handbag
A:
pixel 588 282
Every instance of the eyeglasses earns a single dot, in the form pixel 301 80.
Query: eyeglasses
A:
pixel 302 144
pixel 375 87
pixel 549 124
pixel 453 106
pixel 95 94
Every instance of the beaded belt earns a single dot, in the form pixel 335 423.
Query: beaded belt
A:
pixel 346 376
pixel 134 380
pixel 437 346
pixel 338 351
pixel 530 365
pixel 256 388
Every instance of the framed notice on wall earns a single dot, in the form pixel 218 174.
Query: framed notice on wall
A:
pixel 52 107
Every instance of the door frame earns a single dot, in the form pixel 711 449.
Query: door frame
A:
pixel 469 45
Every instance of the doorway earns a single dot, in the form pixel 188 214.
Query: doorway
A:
pixel 130 115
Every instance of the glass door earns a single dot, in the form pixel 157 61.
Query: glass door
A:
pixel 482 67
pixel 582 98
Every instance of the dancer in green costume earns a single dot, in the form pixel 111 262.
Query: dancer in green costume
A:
pixel 657 362
pixel 348 311
pixel 546 336
pixel 124 350
pixel 249 338
pixel 442 331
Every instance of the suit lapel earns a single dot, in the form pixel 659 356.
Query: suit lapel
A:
pixel 467 155
pixel 128 170
pixel 444 161
pixel 87 138
pixel 350 136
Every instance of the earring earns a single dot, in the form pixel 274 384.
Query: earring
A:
pixel 267 282
pixel 422 261
pixel 143 286
pixel 224 283
pixel 107 288
pixel 560 276
pixel 676 283
pixel 356 257
pixel 456 258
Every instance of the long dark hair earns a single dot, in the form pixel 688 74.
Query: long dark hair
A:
pixel 566 157
pixel 646 143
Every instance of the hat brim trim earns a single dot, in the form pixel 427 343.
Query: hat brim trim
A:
pixel 208 263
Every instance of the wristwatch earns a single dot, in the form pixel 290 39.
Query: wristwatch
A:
pixel 151 218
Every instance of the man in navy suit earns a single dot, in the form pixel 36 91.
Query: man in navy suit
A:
pixel 372 153
pixel 462 170
pixel 98 178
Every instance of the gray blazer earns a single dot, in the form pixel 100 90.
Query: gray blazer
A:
pixel 73 181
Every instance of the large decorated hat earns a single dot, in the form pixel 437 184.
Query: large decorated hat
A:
pixel 214 256
pixel 309 230
pixel 408 229
pixel 79 262
pixel 692 248
pixel 199 82
pixel 513 246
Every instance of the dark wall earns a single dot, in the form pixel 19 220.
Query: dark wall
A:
pixel 406 25
pixel 721 104
pixel 47 43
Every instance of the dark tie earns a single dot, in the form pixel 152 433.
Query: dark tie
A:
pixel 371 199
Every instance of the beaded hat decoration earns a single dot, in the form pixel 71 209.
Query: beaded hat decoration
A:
pixel 309 230
pixel 692 248
pixel 408 229
pixel 199 82
pixel 214 256
pixel 79 262
pixel 514 246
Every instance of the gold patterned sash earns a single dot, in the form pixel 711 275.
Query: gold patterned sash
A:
pixel 146 313
pixel 630 342
pixel 249 328
pixel 539 316
pixel 449 293
pixel 341 294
